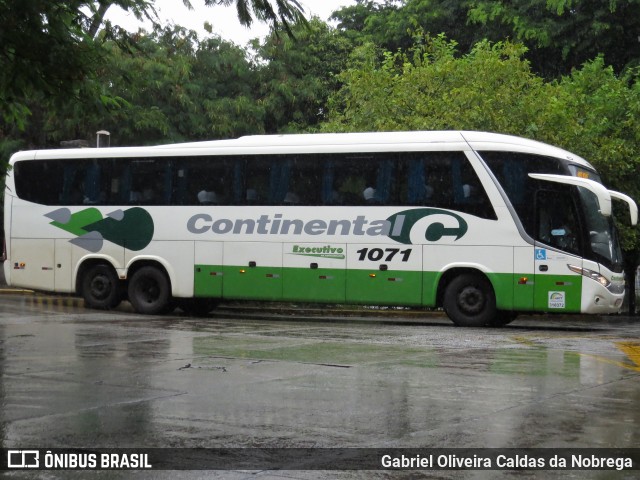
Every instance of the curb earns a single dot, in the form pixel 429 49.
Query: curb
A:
pixel 16 291
pixel 266 310
pixel 295 311
pixel 48 301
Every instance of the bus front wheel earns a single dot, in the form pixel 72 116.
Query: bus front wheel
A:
pixel 101 287
pixel 150 291
pixel 469 300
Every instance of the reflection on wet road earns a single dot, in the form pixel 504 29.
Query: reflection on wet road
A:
pixel 81 378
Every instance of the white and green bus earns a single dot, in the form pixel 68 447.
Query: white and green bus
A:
pixel 483 225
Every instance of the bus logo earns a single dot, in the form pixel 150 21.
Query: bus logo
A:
pixel 434 232
pixel 557 300
pixel 23 459
pixel 131 228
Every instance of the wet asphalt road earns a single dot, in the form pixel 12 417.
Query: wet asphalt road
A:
pixel 79 378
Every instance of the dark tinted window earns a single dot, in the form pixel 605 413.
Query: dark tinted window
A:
pixel 512 172
pixel 557 219
pixel 437 179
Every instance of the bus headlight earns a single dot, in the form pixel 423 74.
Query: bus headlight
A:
pixel 601 279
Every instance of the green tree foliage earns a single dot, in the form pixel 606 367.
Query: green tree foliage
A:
pixel 431 88
pixel 560 34
pixel 563 34
pixel 297 75
pixel 181 89
pixel 393 24
pixel 47 47
pixel 171 88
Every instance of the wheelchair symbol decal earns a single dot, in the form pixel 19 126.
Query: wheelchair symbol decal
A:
pixel 541 254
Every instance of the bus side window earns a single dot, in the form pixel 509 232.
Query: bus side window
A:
pixel 451 182
pixel 144 181
pixel 237 169
pixel 72 185
pixel 179 185
pixel 29 184
pixel 92 190
pixel 383 194
pixel 511 169
pixel 310 181
pixel 418 190
pixel 279 175
pixel 349 180
pixel 437 172
pixel 330 196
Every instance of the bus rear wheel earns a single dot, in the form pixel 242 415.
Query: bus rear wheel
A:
pixel 150 291
pixel 469 300
pixel 101 288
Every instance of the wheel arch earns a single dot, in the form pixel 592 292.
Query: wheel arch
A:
pixel 455 271
pixel 87 263
pixel 137 263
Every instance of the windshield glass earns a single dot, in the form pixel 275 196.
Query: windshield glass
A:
pixel 596 239
pixel 603 239
pixel 582 172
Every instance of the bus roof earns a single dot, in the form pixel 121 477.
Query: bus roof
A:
pixel 324 143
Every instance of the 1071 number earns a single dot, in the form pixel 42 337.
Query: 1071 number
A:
pixel 377 254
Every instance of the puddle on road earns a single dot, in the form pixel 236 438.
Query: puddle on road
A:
pixel 537 360
pixel 325 353
pixel 631 350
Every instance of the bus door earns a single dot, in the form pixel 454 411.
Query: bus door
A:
pixel 557 244
pixel 252 270
pixel 315 272
pixel 383 274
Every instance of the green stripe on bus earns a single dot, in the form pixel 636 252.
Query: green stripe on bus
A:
pixel 567 288
pixel 391 287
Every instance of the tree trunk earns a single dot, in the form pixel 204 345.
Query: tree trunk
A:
pixel 97 19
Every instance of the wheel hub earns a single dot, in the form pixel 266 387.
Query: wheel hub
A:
pixel 471 300
pixel 100 287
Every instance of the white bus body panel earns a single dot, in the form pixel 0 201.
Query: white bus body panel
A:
pixel 597 299
pixel 42 256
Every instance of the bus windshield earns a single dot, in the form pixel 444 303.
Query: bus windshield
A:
pixel 599 240
pixel 603 238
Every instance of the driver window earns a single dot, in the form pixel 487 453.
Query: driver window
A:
pixel 557 221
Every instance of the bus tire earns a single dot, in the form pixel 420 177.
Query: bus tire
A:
pixel 469 300
pixel 150 291
pixel 101 288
